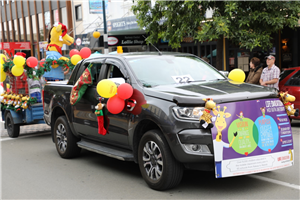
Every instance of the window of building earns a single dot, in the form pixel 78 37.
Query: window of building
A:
pixel 64 18
pixel 16 28
pixel 27 28
pixel 41 27
pixel 5 33
pixel 10 30
pixel 34 31
pixel 55 16
pixel 78 13
pixel 22 34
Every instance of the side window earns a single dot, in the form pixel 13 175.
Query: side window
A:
pixel 285 73
pixel 294 80
pixel 95 72
pixel 114 72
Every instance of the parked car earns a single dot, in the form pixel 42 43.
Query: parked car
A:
pixel 161 130
pixel 290 81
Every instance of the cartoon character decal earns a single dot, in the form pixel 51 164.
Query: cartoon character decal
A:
pixel 218 143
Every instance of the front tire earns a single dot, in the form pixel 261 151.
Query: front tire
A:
pixel 157 164
pixel 65 141
pixel 13 130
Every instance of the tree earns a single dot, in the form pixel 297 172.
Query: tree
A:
pixel 248 24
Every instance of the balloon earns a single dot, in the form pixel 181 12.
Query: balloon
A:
pixel 96 34
pixel 19 61
pixel 106 88
pixel 17 71
pixel 73 52
pixel 1 58
pixel 42 62
pixel 115 105
pixel 32 62
pixel 75 59
pixel 125 91
pixel 237 75
pixel 2 76
pixel 85 52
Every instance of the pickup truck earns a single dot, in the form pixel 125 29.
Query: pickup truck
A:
pixel 159 128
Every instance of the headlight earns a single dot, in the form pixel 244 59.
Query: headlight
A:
pixel 189 113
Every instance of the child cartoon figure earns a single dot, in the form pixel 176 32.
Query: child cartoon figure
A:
pixel 263 111
pixel 241 116
pixel 99 114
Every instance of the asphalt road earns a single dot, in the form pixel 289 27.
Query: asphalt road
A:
pixel 32 169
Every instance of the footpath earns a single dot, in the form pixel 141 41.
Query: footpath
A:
pixel 28 129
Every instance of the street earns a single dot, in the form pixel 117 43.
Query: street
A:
pixel 32 169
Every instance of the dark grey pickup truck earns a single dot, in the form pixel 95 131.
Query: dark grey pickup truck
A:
pixel 158 129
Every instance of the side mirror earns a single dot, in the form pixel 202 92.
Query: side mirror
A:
pixel 117 81
pixel 225 73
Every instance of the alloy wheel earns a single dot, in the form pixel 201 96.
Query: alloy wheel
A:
pixel 61 138
pixel 153 161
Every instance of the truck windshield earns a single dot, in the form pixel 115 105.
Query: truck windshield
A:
pixel 163 70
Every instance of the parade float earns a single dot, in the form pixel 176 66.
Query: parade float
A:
pixel 21 101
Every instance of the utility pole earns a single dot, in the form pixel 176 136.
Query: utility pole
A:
pixel 105 30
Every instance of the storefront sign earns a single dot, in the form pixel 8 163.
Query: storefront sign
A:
pixel 86 40
pixel 126 40
pixel 96 7
pixel 251 137
pixel 122 24
pixel 14 45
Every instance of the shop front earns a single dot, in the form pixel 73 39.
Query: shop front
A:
pixel 12 47
pixel 129 43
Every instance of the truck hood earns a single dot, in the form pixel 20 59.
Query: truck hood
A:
pixel 221 92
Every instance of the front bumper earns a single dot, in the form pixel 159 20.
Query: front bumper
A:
pixel 193 160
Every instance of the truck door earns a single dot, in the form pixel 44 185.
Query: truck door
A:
pixel 84 119
pixel 118 123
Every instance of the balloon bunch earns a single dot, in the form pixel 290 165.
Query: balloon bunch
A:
pixel 77 56
pixel 18 69
pixel 2 73
pixel 117 95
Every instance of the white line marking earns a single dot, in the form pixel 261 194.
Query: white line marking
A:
pixel 297 187
pixel 25 136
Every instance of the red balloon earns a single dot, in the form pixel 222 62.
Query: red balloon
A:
pixel 85 52
pixel 32 61
pixel 125 91
pixel 73 52
pixel 115 105
pixel 42 62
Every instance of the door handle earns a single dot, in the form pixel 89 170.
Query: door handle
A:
pixel 130 105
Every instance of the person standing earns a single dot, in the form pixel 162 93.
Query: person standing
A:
pixel 255 71
pixel 270 74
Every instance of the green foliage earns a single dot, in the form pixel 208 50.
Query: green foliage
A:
pixel 7 66
pixel 247 23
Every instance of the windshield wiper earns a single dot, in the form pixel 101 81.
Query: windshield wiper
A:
pixel 196 81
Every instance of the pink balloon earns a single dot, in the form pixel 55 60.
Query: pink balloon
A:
pixel 125 91
pixel 42 62
pixel 115 105
pixel 85 52
pixel 32 61
pixel 73 52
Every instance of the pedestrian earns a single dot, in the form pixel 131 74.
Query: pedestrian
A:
pixel 255 71
pixel 270 74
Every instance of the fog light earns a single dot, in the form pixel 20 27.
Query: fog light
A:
pixel 197 148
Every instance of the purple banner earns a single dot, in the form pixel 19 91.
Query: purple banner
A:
pixel 251 136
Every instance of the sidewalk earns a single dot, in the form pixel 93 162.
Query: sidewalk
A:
pixel 25 129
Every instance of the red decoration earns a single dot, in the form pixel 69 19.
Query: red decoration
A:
pixel 42 62
pixel 85 52
pixel 115 105
pixel 32 62
pixel 125 91
pixel 73 52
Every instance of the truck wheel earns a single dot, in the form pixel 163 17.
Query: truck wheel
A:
pixel 13 130
pixel 158 167
pixel 65 141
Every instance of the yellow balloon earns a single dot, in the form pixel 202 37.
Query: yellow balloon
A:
pixel 106 88
pixel 75 59
pixel 17 71
pixel 2 76
pixel 1 58
pixel 19 61
pixel 237 75
pixel 96 34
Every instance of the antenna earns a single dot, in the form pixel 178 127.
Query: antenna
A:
pixel 159 53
